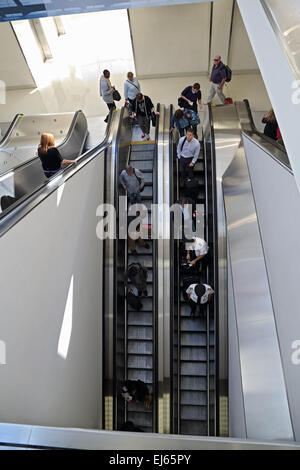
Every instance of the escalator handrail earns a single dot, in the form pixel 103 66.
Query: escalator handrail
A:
pixel 63 143
pixel 214 278
pixel 10 129
pixel 25 204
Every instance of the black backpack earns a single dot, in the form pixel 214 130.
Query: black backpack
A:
pixel 228 73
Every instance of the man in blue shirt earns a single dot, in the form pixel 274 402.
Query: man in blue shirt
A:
pixel 218 79
pixel 188 150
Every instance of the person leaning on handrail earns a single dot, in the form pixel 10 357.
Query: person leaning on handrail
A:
pixel 50 157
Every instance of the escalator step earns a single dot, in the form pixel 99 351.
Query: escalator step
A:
pixel 149 287
pixel 145 259
pixel 138 319
pixel 193 383
pixel 144 147
pixel 144 165
pixel 140 374
pixel 196 428
pixel 139 347
pixel 194 369
pixel 140 333
pixel 140 419
pixel 141 156
pixel 192 354
pixel 193 398
pixel 192 324
pixel 193 339
pixel 140 362
pixel 141 250
pixel 193 413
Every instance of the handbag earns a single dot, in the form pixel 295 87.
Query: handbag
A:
pixel 116 95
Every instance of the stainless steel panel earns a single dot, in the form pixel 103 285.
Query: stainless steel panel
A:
pixel 265 399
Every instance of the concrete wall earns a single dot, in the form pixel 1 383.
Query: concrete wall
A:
pixel 51 309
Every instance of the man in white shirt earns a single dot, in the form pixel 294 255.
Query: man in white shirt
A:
pixel 198 295
pixel 200 247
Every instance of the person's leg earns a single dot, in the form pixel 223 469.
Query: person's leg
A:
pixel 110 106
pixel 212 93
pixel 221 94
pixel 147 126
pixel 141 122
pixel 138 198
pixel 195 129
pixel 187 169
pixel 193 306
pixel 131 244
pixel 132 197
pixel 181 132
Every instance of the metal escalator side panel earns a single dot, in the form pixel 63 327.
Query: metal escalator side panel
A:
pixel 10 129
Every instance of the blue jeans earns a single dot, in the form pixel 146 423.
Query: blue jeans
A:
pixel 135 198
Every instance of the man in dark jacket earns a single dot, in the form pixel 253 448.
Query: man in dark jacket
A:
pixel 218 79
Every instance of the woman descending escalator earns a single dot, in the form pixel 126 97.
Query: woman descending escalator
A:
pixel 144 112
pixel 50 157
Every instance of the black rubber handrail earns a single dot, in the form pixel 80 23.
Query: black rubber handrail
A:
pixel 10 129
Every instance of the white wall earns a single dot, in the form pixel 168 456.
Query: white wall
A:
pixel 40 256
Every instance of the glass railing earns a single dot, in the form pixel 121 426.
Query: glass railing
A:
pixel 285 19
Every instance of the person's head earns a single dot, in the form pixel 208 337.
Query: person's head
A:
pixel 106 73
pixel 217 59
pixel 130 76
pixel 47 141
pixel 270 116
pixel 189 134
pixel 195 87
pixel 129 170
pixel 139 97
pixel 200 290
pixel 178 114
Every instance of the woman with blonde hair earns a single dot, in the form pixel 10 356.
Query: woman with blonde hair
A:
pixel 49 155
pixel 271 124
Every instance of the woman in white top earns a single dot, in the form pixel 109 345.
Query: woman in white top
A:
pixel 200 247
pixel 131 88
pixel 198 294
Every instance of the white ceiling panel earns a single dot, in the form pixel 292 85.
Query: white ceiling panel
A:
pixel 171 40
pixel 14 70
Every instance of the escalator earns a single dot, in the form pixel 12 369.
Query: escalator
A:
pixel 195 337
pixel 141 324
pixel 21 181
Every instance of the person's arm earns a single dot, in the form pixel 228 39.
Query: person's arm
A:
pixel 64 161
pixel 200 101
pixel 172 127
pixel 184 97
pixel 141 176
pixel 106 91
pixel 223 72
pixel 126 91
pixel 196 155
pixel 197 259
pixel 222 83
pixel 122 181
pixel 179 146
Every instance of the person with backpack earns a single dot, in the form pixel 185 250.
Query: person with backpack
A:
pixel 218 78
pixel 106 91
pixel 133 182
pixel 131 88
pixel 137 275
pixel 198 295
pixel 188 150
pixel 194 120
pixel 180 121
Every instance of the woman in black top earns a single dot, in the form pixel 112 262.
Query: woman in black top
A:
pixel 271 125
pixel 50 156
pixel 142 109
pixel 136 391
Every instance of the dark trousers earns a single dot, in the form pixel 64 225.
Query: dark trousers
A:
pixel 185 169
pixel 110 106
